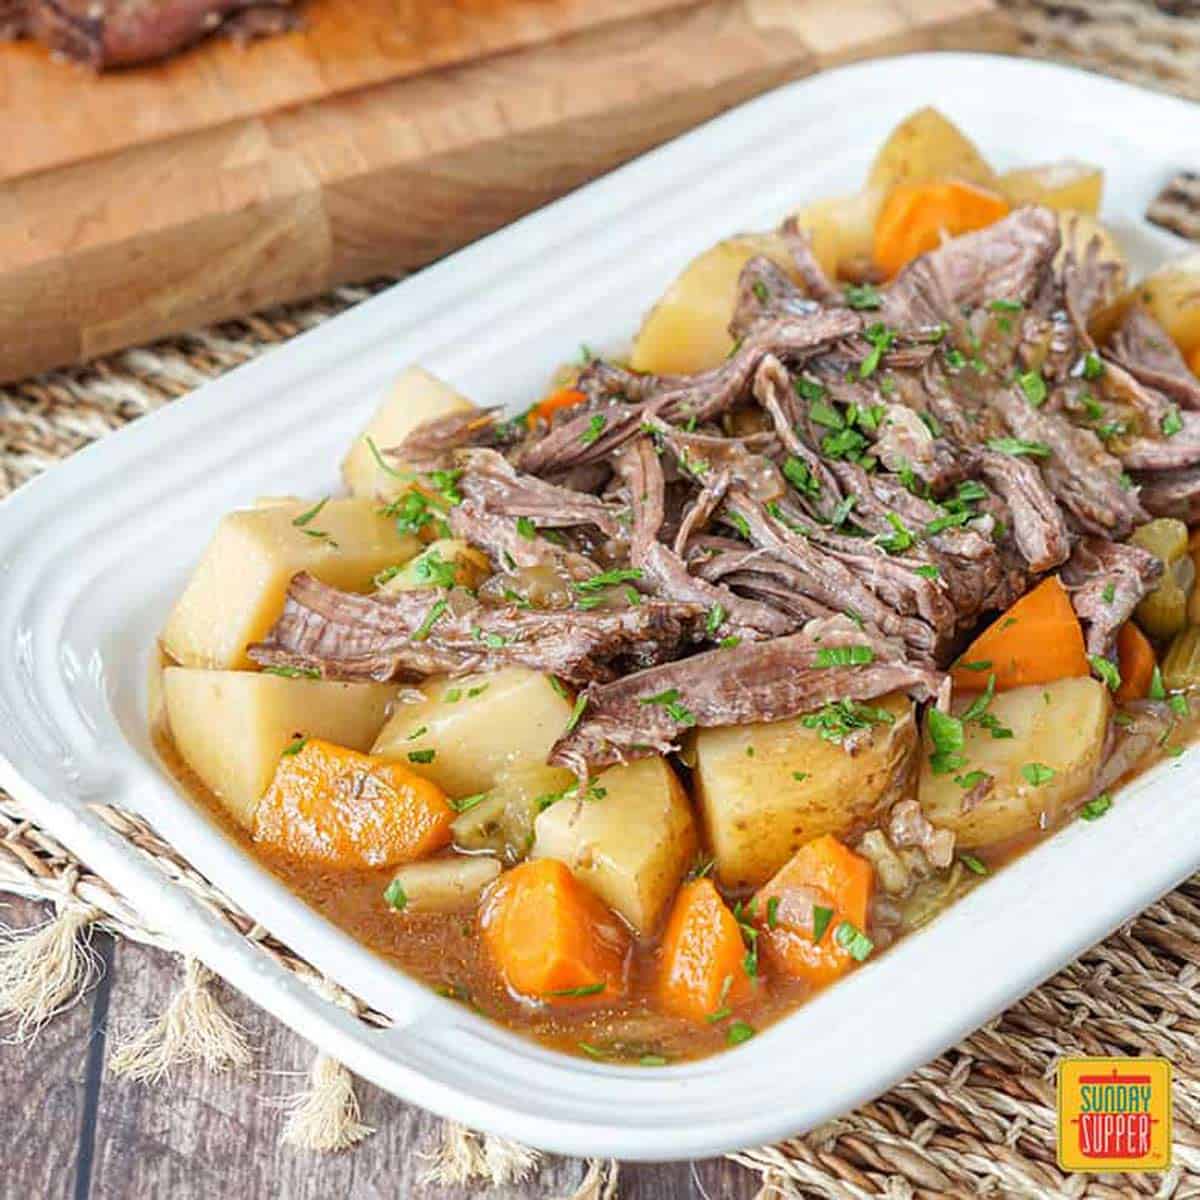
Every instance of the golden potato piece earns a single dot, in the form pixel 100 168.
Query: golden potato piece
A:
pixel 447 562
pixel 230 727
pixel 688 329
pixel 765 790
pixel 842 230
pixel 445 885
pixel 1172 294
pixel 1037 775
pixel 631 845
pixel 1068 186
pixel 237 590
pixel 468 732
pixel 925 145
pixel 416 397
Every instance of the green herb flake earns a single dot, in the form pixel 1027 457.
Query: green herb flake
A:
pixel 396 896
pixel 1092 366
pixel 881 339
pixel 801 776
pixel 1172 422
pixel 821 916
pixel 587 989
pixel 294 746
pixel 526 528
pixel 467 802
pixel 595 428
pixel 1179 705
pixel 971 779
pixel 975 865
pixel 928 571
pixel 772 911
pixel 1019 448
pixel 306 517
pixel 1109 593
pixel 581 702
pixel 431 618
pixel 716 618
pixel 1037 773
pixel 862 296
pixel 652 1060
pixel 1157 690
pixel 980 664
pixel 422 756
pixel 822 413
pixel 1107 672
pixel 293 672
pixel 948 738
pixel 798 474
pixel 1095 808
pixel 1034 387
pixel 760 291
pixel 853 941
pixel 845 656
pixel 738 1033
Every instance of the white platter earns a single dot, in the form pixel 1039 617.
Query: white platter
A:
pixel 93 553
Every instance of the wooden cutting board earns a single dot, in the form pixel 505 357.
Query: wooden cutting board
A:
pixel 229 180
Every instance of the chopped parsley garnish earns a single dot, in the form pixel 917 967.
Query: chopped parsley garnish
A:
pixel 1005 306
pixel 431 618
pixel 979 706
pixel 739 523
pixel 1092 366
pixel 293 672
pixel 801 776
pixel 607 579
pixel 1109 593
pixel 845 443
pixel 557 685
pixel 1034 387
pixel 581 702
pixel 445 484
pixel 526 528
pixel 410 512
pixel 1179 705
pixel 760 291
pixel 452 696
pixel 772 911
pixel 821 916
pixel 1172 422
pixel 931 422
pixel 853 941
pixel 882 339
pixel 1106 671
pixel 1019 447
pixel 955 359
pixel 808 389
pixel 592 1051
pixel 422 756
pixel 294 746
pixel 975 865
pixel 796 471
pixel 396 896
pixel 739 1032
pixel 383 466
pixel 971 779
pixel 840 718
pixel 1157 690
pixel 842 511
pixel 948 737
pixel 716 618
pixel 669 702
pixel 1037 773
pixel 928 571
pixel 980 664
pixel 900 539
pixel 1095 808
pixel 652 1060
pixel 822 413
pixel 845 656
pixel 420 731
pixel 467 802
pixel 433 571
pixel 863 296
pixel 587 989
pixel 595 428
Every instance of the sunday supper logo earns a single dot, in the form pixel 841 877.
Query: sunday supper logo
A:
pixel 1114 1114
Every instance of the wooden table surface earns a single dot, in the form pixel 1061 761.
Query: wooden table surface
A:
pixel 69 1130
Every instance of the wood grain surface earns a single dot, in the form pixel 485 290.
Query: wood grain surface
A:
pixel 181 231
pixel 71 1131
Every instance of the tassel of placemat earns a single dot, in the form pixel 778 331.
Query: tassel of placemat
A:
pixel 466 1156
pixel 326 1117
pixel 46 969
pixel 600 1182
pixel 193 1029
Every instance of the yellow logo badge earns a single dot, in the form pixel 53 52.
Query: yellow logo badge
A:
pixel 1114 1114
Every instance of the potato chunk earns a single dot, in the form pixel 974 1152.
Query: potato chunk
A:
pixel 416 397
pixel 469 731
pixel 764 790
pixel 926 146
pixel 1172 294
pixel 688 329
pixel 631 845
pixel 449 884
pixel 237 590
pixel 230 727
pixel 447 562
pixel 1067 186
pixel 1036 776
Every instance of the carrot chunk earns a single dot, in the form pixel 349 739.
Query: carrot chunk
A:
pixel 701 970
pixel 813 914
pixel 1194 361
pixel 334 806
pixel 1135 657
pixel 1038 640
pixel 557 401
pixel 552 939
pixel 916 216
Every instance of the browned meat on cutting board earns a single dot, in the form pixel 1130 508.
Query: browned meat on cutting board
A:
pixel 118 33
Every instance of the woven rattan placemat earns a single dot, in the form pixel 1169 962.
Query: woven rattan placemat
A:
pixel 979 1120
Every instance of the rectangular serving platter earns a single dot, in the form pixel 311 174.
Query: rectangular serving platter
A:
pixel 93 553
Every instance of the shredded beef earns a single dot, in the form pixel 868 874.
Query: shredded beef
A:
pixel 1106 581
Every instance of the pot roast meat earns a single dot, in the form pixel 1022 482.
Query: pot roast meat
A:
pixel 117 33
pixel 1036 521
pixel 1145 349
pixel 411 635
pixel 645 713
pixel 509 549
pixel 1165 453
pixel 1171 493
pixel 1005 261
pixel 666 573
pixel 1095 567
pixel 766 292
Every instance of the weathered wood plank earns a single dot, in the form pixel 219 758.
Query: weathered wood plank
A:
pixel 45 1086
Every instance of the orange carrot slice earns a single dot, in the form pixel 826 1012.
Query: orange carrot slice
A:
pixel 557 401
pixel 1038 640
pixel 343 809
pixel 917 216
pixel 701 969
pixel 552 939
pixel 1135 657
pixel 813 914
pixel 1194 361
